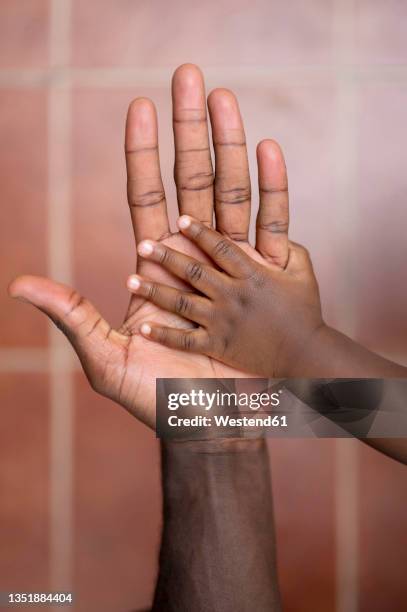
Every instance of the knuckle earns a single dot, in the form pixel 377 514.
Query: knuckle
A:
pixel 182 304
pixel 197 229
pixel 162 335
pixel 278 226
pixel 147 199
pixel 258 279
pixel 197 182
pixel 194 271
pixel 187 341
pixel 298 248
pixel 238 236
pixel 303 251
pixel 76 311
pixel 164 256
pixel 74 302
pixel 222 248
pixel 234 195
pixel 242 300
pixel 152 291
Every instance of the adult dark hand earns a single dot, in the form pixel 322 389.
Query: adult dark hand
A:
pixel 121 364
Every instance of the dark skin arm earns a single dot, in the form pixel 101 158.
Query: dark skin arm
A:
pixel 218 541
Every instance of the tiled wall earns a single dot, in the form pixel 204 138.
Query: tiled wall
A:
pixel 79 478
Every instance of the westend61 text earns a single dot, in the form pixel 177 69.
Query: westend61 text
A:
pixel 227 421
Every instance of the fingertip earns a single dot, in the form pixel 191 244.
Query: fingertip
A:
pixel 141 125
pixel 133 283
pixel 184 222
pixel 224 110
pixel 20 286
pixel 140 105
pixel 188 73
pixel 270 149
pixel 222 96
pixel 145 329
pixel 145 248
pixel 12 288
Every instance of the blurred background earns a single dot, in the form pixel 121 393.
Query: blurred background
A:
pixel 79 478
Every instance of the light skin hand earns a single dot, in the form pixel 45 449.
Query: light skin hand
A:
pixel 121 364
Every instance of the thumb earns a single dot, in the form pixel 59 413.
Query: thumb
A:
pixel 90 335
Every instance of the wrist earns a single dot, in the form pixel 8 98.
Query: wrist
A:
pixel 301 353
pixel 214 445
pixel 328 353
pixel 193 469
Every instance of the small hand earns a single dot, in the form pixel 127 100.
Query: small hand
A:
pixel 251 313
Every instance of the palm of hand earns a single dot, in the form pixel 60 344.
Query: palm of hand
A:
pixel 122 364
pixel 149 360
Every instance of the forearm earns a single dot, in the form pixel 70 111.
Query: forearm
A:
pixel 331 354
pixel 218 540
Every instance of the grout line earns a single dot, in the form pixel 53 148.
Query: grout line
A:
pixel 41 360
pixel 23 360
pixel 246 76
pixel 59 267
pixel 346 455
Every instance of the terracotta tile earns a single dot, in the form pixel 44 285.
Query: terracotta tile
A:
pixel 380 31
pixel 303 490
pixel 382 296
pixel 24 562
pixel 23 33
pixel 117 506
pixel 218 34
pixel 23 221
pixel 383 528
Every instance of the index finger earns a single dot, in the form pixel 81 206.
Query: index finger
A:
pixel 145 191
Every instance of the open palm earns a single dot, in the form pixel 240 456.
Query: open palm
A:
pixel 121 364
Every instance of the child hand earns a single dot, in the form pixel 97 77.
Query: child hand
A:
pixel 250 314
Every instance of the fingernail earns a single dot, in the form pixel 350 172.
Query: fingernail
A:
pixel 184 222
pixel 145 329
pixel 145 248
pixel 133 283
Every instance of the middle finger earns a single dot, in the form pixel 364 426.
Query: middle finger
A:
pixel 193 171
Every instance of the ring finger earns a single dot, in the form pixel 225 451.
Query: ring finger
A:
pixel 232 178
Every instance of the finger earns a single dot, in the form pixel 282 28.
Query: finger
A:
pixel 193 164
pixel 194 340
pixel 204 278
pixel 145 191
pixel 90 335
pixel 225 253
pixel 183 303
pixel 273 217
pixel 232 179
